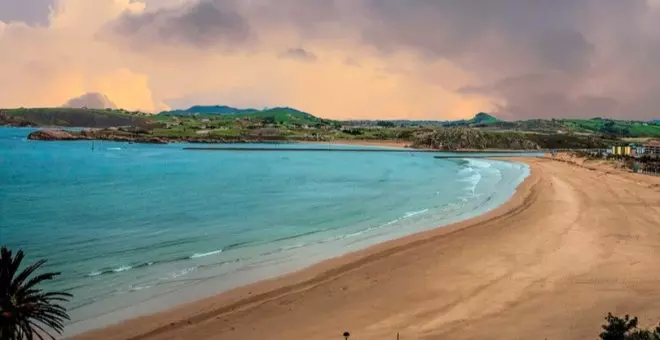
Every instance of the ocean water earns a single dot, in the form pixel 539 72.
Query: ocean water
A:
pixel 139 228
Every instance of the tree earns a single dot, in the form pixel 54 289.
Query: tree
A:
pixel 27 312
pixel 270 120
pixel 384 123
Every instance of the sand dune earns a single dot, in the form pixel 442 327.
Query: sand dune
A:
pixel 572 245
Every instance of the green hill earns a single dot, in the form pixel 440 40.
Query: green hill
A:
pixel 74 117
pixel 208 110
pixel 278 115
pixel 479 119
pixel 96 118
pixel 483 118
pixel 287 116
pixel 595 126
pixel 619 128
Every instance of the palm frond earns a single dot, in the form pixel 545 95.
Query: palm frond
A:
pixel 18 281
pixel 35 280
pixel 41 332
pixel 27 312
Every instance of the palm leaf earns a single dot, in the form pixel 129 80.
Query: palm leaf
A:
pixel 27 312
pixel 35 280
pixel 18 281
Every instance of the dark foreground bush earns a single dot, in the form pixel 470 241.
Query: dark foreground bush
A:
pixel 625 328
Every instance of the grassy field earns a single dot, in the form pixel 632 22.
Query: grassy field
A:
pixel 621 128
pixel 70 117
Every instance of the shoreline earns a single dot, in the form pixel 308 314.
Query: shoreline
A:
pixel 265 289
pixel 570 246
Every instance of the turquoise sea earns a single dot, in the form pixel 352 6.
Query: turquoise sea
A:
pixel 138 228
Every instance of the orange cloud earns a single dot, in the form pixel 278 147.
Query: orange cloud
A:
pixel 127 90
pixel 75 54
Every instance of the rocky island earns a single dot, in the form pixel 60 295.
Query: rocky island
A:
pixel 101 134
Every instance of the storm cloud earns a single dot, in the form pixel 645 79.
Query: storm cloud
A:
pixel 205 25
pixel 418 58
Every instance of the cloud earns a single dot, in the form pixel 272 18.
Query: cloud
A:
pixel 205 25
pixel 433 59
pixel 48 65
pixel 299 54
pixel 127 90
pixel 91 100
pixel 31 12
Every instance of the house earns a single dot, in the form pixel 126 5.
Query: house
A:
pixel 652 149
pixel 637 150
pixel 622 150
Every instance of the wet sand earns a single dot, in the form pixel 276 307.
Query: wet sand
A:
pixel 570 246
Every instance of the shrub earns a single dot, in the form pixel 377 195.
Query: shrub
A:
pixel 625 328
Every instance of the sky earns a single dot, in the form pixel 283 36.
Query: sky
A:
pixel 385 59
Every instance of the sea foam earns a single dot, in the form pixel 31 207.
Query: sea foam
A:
pixel 199 255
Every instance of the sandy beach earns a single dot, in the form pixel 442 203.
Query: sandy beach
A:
pixel 570 246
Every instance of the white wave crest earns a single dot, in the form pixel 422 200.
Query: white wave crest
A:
pixel 198 255
pixel 413 213
pixel 478 163
pixel 122 269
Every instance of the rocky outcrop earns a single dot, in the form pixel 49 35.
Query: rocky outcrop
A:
pixel 52 135
pixel 104 134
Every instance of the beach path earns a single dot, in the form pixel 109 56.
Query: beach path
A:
pixel 572 245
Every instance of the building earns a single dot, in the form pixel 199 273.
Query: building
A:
pixel 638 151
pixel 652 149
pixel 622 150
